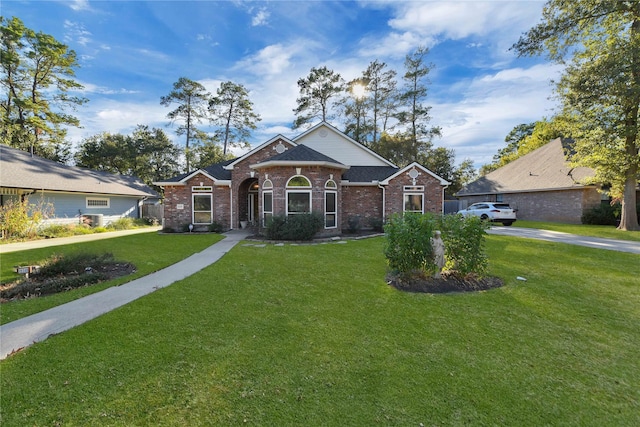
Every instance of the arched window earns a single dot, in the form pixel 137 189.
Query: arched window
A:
pixel 267 184
pixel 298 181
pixel 331 184
pixel 298 195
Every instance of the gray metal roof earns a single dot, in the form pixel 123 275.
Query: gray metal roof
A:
pixel 18 169
pixel 544 169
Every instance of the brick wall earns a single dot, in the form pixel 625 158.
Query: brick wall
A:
pixel 362 201
pixel 556 206
pixel 394 196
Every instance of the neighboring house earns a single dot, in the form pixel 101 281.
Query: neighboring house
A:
pixel 76 194
pixel 540 185
pixel 321 170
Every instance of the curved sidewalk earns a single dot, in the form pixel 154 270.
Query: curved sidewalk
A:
pixel 23 332
pixel 572 239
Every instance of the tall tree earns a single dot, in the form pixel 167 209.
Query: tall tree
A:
pixel 414 114
pixel 318 91
pixel 599 41
pixel 146 153
pixel 381 87
pixel 232 110
pixel 354 109
pixel 37 78
pixel 192 100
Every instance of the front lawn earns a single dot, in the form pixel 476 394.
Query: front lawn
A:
pixel 312 335
pixel 604 231
pixel 149 252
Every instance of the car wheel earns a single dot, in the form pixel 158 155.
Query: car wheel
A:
pixel 507 223
pixel 484 217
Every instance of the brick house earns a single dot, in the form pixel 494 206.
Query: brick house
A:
pixel 541 185
pixel 321 170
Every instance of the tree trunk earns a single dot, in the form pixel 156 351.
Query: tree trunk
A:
pixel 629 217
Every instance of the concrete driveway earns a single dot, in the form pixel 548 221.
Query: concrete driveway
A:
pixel 572 239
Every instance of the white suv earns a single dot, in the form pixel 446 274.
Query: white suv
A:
pixel 494 212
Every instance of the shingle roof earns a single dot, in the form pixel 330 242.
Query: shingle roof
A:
pixel 301 153
pixel 543 169
pixel 18 169
pixel 218 171
pixel 368 173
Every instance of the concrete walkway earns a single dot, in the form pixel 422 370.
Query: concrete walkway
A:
pixel 572 239
pixel 59 241
pixel 28 330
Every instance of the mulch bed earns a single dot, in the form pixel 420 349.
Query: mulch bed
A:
pixel 449 282
pixel 37 285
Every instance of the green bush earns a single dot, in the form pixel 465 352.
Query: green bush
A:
pixel 56 230
pixel 294 227
pixel 216 227
pixel 603 214
pixel 353 224
pixel 408 243
pixel 464 239
pixel 20 219
pixel 125 223
pixel 376 224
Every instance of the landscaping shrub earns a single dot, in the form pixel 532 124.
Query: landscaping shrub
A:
pixel 464 239
pixel 122 224
pixel 376 224
pixel 216 227
pixel 20 219
pixel 56 230
pixel 353 224
pixel 408 243
pixel 603 214
pixel 294 227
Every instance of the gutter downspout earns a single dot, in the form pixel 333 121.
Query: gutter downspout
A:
pixel 384 202
pixel 230 206
pixel 443 188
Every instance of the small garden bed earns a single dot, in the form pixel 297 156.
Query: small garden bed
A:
pixel 448 282
pixel 61 274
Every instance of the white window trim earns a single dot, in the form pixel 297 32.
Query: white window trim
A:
pixel 299 186
pixel 412 194
pixel 193 211
pixel 299 191
pixel 264 212
pixel 101 199
pixel 335 213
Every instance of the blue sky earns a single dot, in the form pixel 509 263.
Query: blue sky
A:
pixel 131 53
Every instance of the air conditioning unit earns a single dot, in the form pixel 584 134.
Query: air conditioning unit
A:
pixel 96 220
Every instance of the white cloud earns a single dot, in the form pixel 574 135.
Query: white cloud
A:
pixel 491 106
pixel 76 33
pixel 260 18
pixel 79 5
pixel 460 19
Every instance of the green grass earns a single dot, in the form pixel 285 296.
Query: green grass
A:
pixel 312 335
pixel 149 252
pixel 604 231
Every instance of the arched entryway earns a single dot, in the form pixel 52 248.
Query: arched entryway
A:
pixel 248 209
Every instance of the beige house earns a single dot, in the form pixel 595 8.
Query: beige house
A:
pixel 540 185
pixel 321 170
